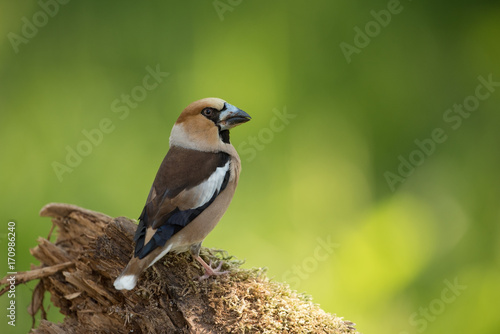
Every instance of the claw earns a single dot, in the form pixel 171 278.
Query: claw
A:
pixel 219 267
pixel 209 271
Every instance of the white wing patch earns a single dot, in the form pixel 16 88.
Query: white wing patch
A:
pixel 203 192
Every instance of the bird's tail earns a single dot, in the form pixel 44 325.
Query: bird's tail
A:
pixel 128 278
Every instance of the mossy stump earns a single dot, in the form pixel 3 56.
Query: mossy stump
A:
pixel 91 249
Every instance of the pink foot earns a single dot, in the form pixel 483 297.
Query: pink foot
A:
pixel 209 271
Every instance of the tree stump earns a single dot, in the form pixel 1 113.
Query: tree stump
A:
pixel 91 249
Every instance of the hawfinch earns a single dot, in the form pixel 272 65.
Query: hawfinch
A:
pixel 192 189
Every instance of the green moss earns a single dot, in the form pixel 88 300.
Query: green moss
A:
pixel 249 302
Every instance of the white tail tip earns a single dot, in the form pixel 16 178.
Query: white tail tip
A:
pixel 126 282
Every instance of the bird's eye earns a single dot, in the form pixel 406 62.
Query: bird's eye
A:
pixel 207 111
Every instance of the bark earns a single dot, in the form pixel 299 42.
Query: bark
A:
pixel 90 251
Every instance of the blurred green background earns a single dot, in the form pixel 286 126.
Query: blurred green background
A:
pixel 314 204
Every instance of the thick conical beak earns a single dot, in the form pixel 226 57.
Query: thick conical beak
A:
pixel 232 116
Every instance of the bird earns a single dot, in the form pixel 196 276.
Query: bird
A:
pixel 192 190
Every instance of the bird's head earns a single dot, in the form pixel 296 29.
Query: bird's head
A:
pixel 204 124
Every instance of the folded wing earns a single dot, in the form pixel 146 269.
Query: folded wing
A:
pixel 187 182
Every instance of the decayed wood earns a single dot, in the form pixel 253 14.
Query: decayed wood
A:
pixel 91 249
pixel 27 276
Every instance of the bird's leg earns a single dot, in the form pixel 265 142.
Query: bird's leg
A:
pixel 209 271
